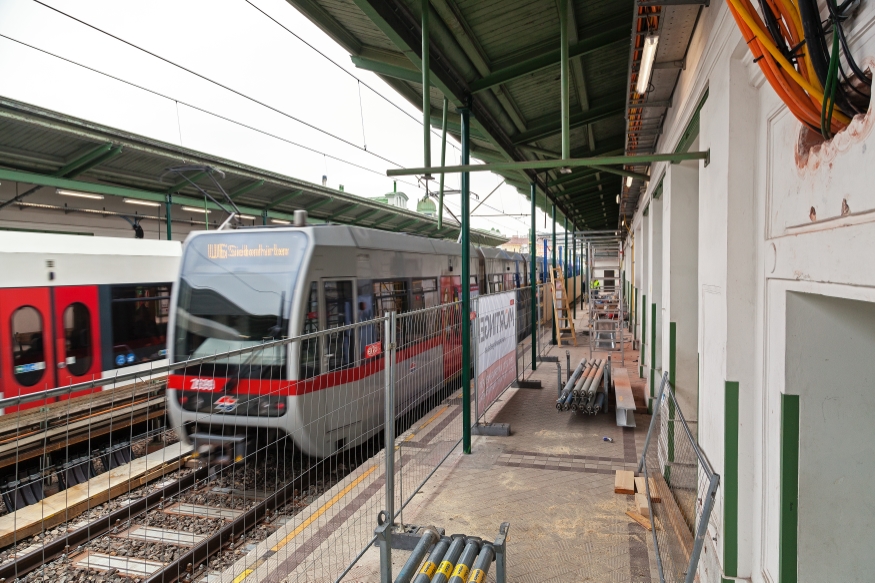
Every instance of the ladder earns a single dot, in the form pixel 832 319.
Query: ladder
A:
pixel 561 308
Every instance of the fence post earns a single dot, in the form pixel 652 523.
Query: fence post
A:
pixel 652 421
pixel 389 434
pixel 702 529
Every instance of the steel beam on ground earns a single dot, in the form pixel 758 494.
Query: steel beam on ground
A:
pixel 552 164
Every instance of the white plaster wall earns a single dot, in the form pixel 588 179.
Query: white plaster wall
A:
pixel 680 201
pixel 654 287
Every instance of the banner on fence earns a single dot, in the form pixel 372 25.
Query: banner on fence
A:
pixel 496 344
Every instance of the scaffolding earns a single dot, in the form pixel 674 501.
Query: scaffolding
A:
pixel 604 291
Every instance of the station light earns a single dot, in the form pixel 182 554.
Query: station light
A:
pixel 142 202
pixel 194 209
pixel 280 222
pixel 247 217
pixel 628 182
pixel 78 194
pixel 646 68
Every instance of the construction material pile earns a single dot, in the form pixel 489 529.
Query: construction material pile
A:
pixel 587 389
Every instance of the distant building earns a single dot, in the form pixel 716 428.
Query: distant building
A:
pixel 516 245
pixel 427 207
pixel 398 199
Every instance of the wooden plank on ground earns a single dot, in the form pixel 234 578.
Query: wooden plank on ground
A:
pixel 639 519
pixel 641 505
pixel 624 483
pixel 675 518
pixel 641 488
pixel 64 505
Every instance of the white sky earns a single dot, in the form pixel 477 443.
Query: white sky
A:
pixel 248 92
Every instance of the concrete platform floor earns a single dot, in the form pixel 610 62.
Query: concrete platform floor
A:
pixel 552 479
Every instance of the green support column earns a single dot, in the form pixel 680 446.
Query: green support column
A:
pixel 466 286
pixel 440 216
pixel 788 542
pixel 553 253
pixel 642 354
pixel 565 252
pixel 563 64
pixel 426 86
pixel 264 217
pixel 652 352
pixel 730 480
pixel 672 378
pixel 168 201
pixel 533 273
pixel 574 269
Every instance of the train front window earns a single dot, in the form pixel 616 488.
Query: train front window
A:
pixel 235 291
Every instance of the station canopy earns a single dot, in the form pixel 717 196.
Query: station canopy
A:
pixel 505 56
pixel 48 149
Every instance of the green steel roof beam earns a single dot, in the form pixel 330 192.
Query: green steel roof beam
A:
pixel 176 187
pixel 324 20
pixel 410 75
pixel 551 125
pixel 490 156
pixel 244 189
pixel 551 164
pixel 577 192
pixel 94 163
pixel 93 154
pixel 319 204
pixel 622 172
pixel 363 216
pixel 339 212
pixel 593 42
pixel 404 224
pixel 283 198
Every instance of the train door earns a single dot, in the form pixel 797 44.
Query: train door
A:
pixel 77 335
pixel 26 362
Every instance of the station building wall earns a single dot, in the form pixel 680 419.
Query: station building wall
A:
pixel 785 310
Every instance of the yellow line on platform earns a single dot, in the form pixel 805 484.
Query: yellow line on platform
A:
pixel 312 518
pixel 242 576
pixel 433 417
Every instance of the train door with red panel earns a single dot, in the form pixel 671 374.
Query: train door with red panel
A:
pixel 77 335
pixel 27 359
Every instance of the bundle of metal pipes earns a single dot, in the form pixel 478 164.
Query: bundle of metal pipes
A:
pixel 587 389
pixel 454 559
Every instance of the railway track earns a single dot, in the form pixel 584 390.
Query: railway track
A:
pixel 193 522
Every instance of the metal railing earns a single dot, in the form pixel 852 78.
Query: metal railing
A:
pixel 681 487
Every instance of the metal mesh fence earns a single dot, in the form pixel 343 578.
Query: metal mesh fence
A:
pixel 681 488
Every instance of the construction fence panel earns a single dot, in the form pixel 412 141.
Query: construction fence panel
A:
pixel 681 488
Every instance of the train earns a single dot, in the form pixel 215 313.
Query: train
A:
pixel 238 288
pixel 76 308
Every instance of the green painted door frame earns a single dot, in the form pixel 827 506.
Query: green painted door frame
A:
pixel 788 543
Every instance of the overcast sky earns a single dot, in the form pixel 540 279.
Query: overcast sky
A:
pixel 222 77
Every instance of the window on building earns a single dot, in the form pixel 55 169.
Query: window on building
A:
pixel 77 339
pixel 139 323
pixel 28 348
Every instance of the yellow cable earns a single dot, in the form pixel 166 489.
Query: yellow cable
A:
pixel 770 46
pixel 792 8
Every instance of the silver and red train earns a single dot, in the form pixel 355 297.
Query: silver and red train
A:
pixel 239 288
pixel 77 308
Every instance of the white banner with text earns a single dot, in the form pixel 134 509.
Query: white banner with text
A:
pixel 496 347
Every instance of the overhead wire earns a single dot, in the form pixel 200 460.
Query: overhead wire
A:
pixel 197 108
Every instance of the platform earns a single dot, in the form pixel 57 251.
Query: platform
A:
pixel 552 479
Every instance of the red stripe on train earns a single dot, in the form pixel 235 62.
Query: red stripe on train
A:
pixel 292 388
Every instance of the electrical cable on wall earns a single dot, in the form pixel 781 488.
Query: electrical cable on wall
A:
pixel 789 44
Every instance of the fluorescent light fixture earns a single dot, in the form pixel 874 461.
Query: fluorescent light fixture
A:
pixel 628 182
pixel 247 217
pixel 78 194
pixel 142 202
pixel 194 209
pixel 280 222
pixel 646 68
pixel 618 199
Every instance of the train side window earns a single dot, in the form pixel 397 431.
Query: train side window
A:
pixel 77 338
pixel 339 309
pixel 309 365
pixel 425 293
pixel 28 350
pixel 390 296
pixel 139 323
